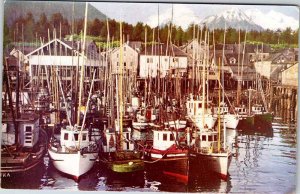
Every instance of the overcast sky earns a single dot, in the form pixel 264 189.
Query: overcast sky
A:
pixel 147 12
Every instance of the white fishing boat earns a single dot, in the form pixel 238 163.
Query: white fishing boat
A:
pixel 200 115
pixel 75 152
pixel 230 120
pixel 205 153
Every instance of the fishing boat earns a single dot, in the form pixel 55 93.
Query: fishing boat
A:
pixel 119 153
pixel 23 144
pixel 229 119
pixel 246 120
pixel 206 153
pixel 167 155
pixel 200 113
pixel 74 153
pixel 206 157
pixel 262 118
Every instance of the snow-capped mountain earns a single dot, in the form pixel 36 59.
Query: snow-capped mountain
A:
pixel 234 18
pixel 272 20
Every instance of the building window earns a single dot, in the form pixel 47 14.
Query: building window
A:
pixel 232 60
pixel 165 137
pixel 203 137
pixel 83 137
pixel 117 63
pixel 124 48
pixel 124 64
pixel 210 138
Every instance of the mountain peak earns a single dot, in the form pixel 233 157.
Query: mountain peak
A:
pixel 234 18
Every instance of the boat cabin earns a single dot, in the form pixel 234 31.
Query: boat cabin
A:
pixel 196 108
pixel 223 108
pixel 28 127
pixel 163 139
pixel 258 109
pixel 111 138
pixel 177 124
pixel 207 140
pixel 241 110
pixel 72 137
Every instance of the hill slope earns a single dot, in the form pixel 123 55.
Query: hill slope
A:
pixel 15 9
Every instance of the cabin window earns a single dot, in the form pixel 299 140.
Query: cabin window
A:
pixel 203 137
pixel 84 137
pixel 210 138
pixel 66 136
pixel 215 138
pixel 165 137
pixel 28 128
pixel 172 137
pixel 76 136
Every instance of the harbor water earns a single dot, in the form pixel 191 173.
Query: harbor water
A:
pixel 262 162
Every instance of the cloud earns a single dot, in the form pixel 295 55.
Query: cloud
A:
pixel 182 16
pixel 272 19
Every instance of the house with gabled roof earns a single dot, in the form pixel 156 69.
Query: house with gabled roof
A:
pixel 159 59
pixel 290 75
pixel 61 56
pixel 130 59
pixel 272 66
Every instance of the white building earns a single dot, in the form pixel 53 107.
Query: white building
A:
pixel 130 59
pixel 159 59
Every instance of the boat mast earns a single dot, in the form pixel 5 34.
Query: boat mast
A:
pixel 203 83
pixel 239 89
pixel 223 91
pixel 120 86
pixel 82 65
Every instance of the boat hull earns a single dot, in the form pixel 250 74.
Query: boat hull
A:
pixel 127 166
pixel 258 121
pixel 73 164
pixel 216 163
pixel 208 121
pixel 263 121
pixel 123 162
pixel 231 121
pixel 174 165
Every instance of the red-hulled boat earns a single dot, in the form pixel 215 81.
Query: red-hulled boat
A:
pixel 167 155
